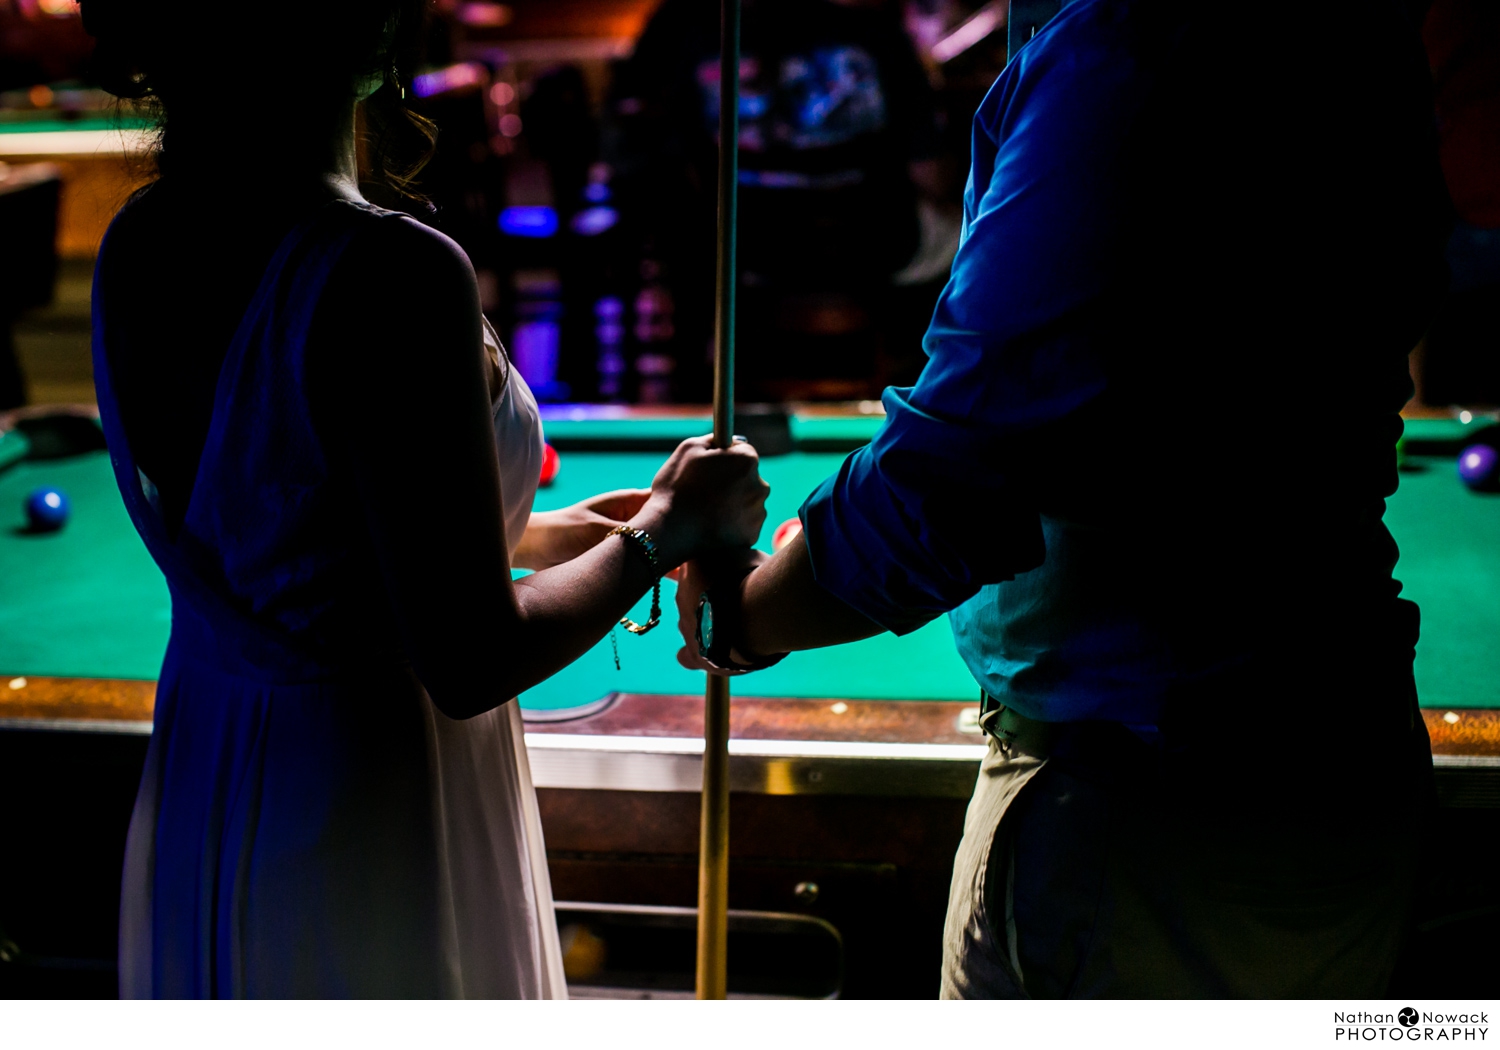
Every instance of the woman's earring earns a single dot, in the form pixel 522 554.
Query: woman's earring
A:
pixel 391 77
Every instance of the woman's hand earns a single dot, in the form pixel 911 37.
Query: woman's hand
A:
pixel 704 499
pixel 555 536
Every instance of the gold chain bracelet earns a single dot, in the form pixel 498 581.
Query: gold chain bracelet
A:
pixel 642 539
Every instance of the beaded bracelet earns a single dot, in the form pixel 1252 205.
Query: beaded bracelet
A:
pixel 642 539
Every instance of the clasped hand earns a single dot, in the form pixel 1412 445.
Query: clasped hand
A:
pixel 702 500
pixel 723 573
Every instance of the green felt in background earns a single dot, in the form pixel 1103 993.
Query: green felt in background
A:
pixel 585 426
pixel 1450 566
pixel 829 430
pixel 1444 430
pixel 86 601
pixel 105 123
pixel 14 447
pixel 659 429
pixel 921 666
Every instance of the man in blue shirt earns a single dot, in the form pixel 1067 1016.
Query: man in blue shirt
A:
pixel 1144 473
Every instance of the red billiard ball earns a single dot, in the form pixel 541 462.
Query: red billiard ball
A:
pixel 785 533
pixel 550 464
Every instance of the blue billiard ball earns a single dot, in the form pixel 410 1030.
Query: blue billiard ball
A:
pixel 46 510
pixel 1479 467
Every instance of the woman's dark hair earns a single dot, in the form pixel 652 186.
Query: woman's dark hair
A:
pixel 235 78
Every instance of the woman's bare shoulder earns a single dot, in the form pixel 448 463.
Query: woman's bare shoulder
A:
pixel 395 268
pixel 406 295
pixel 132 230
pixel 406 249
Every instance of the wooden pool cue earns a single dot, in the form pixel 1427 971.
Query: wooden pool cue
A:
pixel 713 842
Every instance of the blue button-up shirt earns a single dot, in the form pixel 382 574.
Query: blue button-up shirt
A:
pixel 1122 260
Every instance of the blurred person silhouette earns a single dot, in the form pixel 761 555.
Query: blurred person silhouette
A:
pixel 838 143
pixel 1459 361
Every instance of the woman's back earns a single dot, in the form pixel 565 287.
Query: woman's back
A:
pixel 177 286
pixel 252 521
pixel 309 822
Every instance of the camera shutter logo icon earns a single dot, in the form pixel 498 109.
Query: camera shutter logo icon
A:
pixel 1408 1016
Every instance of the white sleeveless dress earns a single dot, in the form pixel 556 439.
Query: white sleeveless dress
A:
pixel 305 827
pixel 497 861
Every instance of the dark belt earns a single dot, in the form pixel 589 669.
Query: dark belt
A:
pixel 1009 728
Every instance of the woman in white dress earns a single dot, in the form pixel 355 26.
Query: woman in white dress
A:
pixel 303 407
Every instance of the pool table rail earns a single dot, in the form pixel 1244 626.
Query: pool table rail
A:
pixel 779 746
pixel 109 705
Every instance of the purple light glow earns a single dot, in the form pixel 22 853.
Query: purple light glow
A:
pixel 449 78
pixel 1479 467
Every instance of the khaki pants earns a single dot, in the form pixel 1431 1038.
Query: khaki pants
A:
pixel 1092 866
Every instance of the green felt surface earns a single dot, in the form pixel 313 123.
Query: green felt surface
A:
pixel 102 123
pixel 594 423
pixel 1449 431
pixel 920 666
pixel 14 447
pixel 830 429
pixel 86 601
pixel 664 428
pixel 1450 566
pixel 89 602
pixel 564 427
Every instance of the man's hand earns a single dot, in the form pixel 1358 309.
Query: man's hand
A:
pixel 693 581
pixel 555 536
pixel 782 610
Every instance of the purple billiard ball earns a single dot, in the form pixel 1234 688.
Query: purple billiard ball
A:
pixel 1479 467
pixel 46 510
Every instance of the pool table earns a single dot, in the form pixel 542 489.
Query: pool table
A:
pixel 850 767
pixel 99 158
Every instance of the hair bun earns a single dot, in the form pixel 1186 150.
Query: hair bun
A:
pixel 108 17
pixel 119 28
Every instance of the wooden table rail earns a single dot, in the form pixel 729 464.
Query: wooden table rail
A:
pixel 779 746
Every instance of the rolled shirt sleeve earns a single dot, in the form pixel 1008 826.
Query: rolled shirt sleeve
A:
pixel 943 500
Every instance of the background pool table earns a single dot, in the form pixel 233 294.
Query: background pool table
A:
pixel 850 766
pixel 88 602
pixel 99 159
